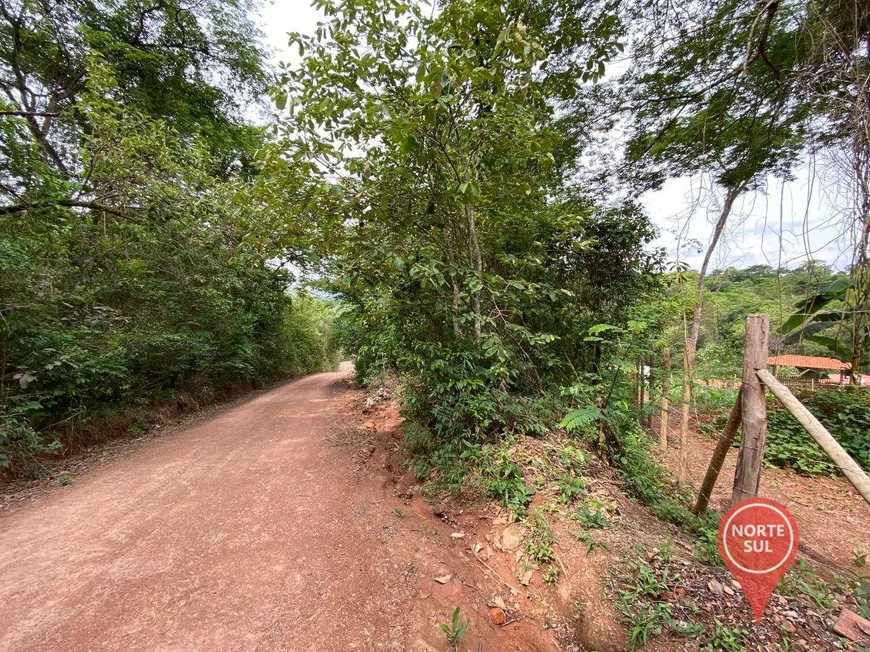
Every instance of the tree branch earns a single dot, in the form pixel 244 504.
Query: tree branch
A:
pixel 68 203
pixel 28 114
pixel 765 32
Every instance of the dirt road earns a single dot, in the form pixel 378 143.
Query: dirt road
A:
pixel 245 532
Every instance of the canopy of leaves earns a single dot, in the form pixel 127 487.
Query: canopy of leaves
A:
pixel 705 92
pixel 191 64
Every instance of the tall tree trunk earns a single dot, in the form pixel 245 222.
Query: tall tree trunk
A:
pixel 454 282
pixel 476 262
pixel 731 195
pixel 861 257
pixel 666 379
pixel 684 420
pixel 691 349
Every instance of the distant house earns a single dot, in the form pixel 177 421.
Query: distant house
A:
pixel 808 364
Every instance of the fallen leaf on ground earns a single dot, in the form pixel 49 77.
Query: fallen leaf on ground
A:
pixel 498 601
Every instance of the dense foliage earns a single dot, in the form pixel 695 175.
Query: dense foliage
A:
pixel 846 415
pixel 469 265
pixel 429 167
pixel 731 294
pixel 130 270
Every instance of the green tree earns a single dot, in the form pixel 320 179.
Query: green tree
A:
pixel 194 65
pixel 435 170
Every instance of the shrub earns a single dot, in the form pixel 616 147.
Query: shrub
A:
pixel 844 412
pixel 20 445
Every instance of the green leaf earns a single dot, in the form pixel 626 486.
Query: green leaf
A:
pixel 444 78
pixel 839 350
pixel 809 330
pixel 580 418
pixel 411 145
pixel 281 100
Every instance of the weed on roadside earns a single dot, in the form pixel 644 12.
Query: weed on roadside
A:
pixel 587 538
pixel 591 515
pixel 550 574
pixel 802 581
pixel 570 487
pixel 539 544
pixel 724 638
pixel 861 585
pixel 503 478
pixel 641 602
pixel 667 551
pixel 455 629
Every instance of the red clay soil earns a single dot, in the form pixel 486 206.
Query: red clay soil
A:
pixel 833 518
pixel 249 531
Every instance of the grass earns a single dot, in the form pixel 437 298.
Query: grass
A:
pixel 724 638
pixel 641 602
pixel 591 515
pixel 550 574
pixel 802 581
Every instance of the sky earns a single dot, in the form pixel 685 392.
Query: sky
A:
pixel 802 211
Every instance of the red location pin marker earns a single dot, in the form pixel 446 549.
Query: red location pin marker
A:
pixel 758 541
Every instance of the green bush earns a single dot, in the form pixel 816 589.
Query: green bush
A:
pixel 20 444
pixel 844 412
pixel 101 316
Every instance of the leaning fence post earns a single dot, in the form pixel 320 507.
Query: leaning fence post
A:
pixel 666 377
pixel 753 408
pixel 718 459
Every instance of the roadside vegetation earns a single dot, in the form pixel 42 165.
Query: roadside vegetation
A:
pixel 130 272
pixel 460 186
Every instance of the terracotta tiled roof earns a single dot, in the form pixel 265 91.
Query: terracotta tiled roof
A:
pixel 807 362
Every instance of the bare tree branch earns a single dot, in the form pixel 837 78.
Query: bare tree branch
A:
pixel 69 203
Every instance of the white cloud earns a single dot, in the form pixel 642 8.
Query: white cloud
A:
pixel 784 224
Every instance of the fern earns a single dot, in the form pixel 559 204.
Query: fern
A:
pixel 580 418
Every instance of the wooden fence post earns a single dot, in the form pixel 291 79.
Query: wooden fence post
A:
pixel 684 421
pixel 648 414
pixel 718 459
pixel 666 378
pixel 753 408
pixel 641 391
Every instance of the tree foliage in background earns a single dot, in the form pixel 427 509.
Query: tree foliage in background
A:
pixel 731 294
pixel 191 64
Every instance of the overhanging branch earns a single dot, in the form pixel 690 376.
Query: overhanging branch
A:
pixel 68 203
